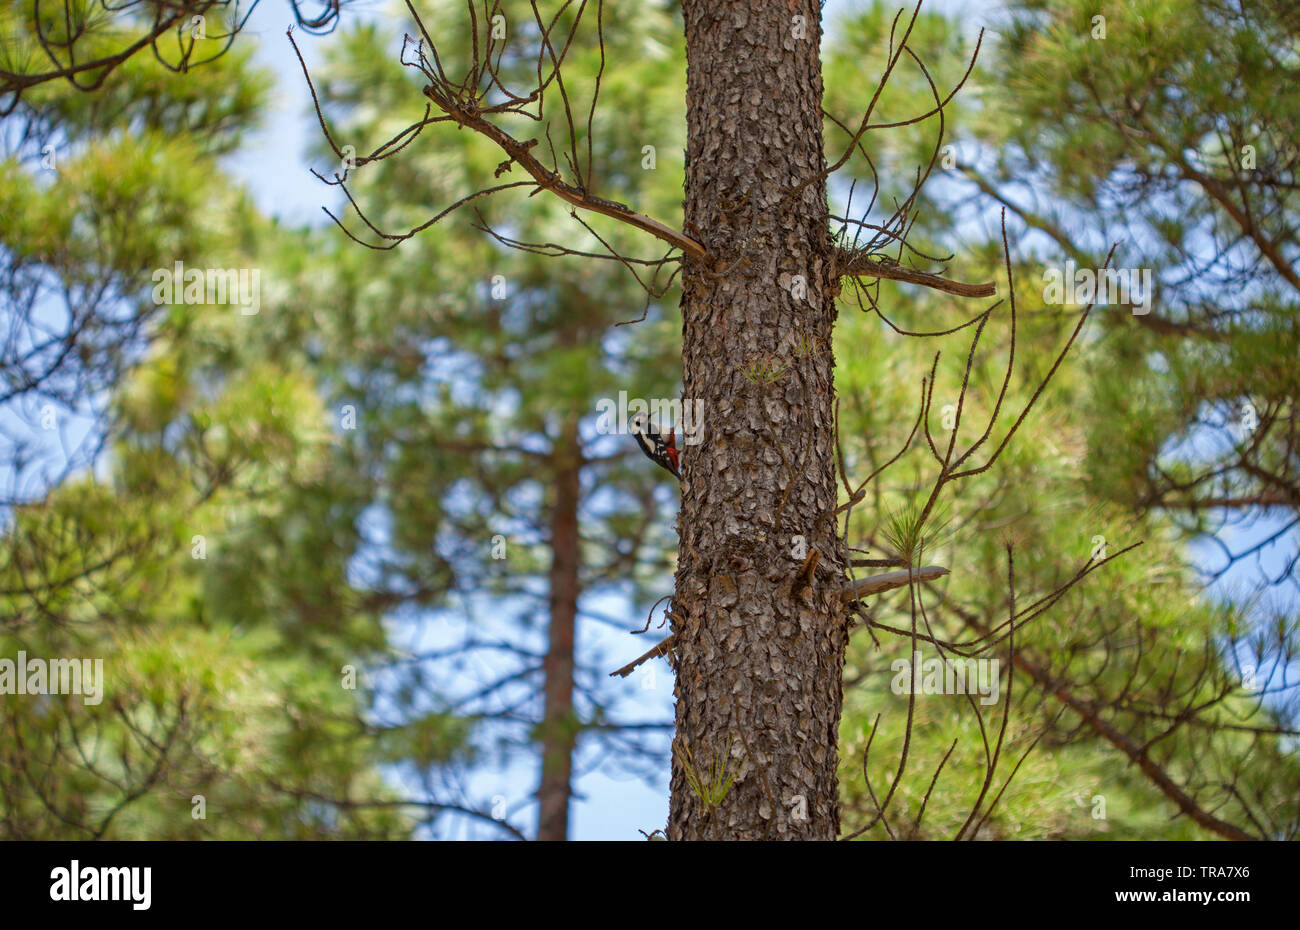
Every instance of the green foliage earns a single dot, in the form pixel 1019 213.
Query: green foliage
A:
pixel 764 371
pixel 204 562
pixel 909 530
pixel 712 786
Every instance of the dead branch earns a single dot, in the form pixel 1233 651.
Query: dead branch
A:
pixel 875 584
pixel 662 649
pixel 546 179
pixel 858 263
pixel 805 576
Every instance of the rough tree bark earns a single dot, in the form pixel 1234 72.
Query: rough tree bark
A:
pixel 558 731
pixel 758 663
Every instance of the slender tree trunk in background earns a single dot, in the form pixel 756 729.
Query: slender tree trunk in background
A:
pixel 558 731
pixel 758 667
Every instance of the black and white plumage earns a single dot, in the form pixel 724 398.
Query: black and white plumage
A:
pixel 659 449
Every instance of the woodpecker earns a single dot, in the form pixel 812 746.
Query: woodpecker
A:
pixel 663 452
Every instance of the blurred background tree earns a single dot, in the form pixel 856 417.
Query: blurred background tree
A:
pixel 510 535
pixel 136 490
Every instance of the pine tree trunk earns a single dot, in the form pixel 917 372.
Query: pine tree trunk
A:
pixel 558 731
pixel 758 665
